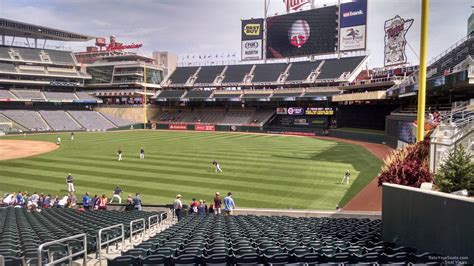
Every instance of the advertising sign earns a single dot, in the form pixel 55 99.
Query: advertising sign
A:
pixel 302 33
pixel 352 38
pixel 281 111
pixel 295 4
pixel 296 111
pixel 353 25
pixel 252 50
pixel 252 36
pixel 319 111
pixel 200 127
pixel 395 40
pixel 178 126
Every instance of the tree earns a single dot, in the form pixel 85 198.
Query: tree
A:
pixel 407 166
pixel 456 172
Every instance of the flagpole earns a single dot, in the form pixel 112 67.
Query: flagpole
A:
pixel 420 132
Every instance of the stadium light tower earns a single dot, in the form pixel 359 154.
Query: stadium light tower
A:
pixel 145 119
pixel 420 132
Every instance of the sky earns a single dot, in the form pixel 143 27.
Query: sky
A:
pixel 213 26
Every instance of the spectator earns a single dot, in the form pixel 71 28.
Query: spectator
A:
pixel 193 207
pixel 47 201
pixel 54 202
pixel 8 199
pixel 201 208
pixel 18 199
pixel 217 203
pixel 102 202
pixel 116 194
pixel 178 207
pixel 211 209
pixel 86 201
pixel 62 203
pixel 229 204
pixel 72 200
pixel 40 200
pixel 137 202
pixel 205 206
pixel 94 202
pixel 35 199
pixel 129 206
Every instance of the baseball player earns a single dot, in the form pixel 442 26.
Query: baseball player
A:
pixel 70 184
pixel 346 177
pixel 58 141
pixel 119 153
pixel 142 153
pixel 72 135
pixel 217 167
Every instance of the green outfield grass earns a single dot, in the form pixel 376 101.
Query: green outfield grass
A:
pixel 266 171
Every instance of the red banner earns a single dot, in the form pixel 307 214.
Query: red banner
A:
pixel 178 126
pixel 199 127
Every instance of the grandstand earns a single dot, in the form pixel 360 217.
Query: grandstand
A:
pixel 270 240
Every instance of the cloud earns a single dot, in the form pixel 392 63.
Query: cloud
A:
pixel 212 26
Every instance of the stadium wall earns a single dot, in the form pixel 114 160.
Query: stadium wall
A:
pixel 134 114
pixel 430 221
pixel 359 136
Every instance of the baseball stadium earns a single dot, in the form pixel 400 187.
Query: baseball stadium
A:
pixel 302 150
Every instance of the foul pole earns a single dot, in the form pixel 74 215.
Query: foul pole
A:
pixel 145 119
pixel 420 133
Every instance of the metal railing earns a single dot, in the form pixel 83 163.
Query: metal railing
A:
pixel 108 241
pixel 68 257
pixel 142 229
pixel 152 227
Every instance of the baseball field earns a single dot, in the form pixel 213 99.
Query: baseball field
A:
pixel 264 171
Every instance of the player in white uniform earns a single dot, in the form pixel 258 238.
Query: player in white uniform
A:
pixel 142 153
pixel 119 153
pixel 346 177
pixel 217 166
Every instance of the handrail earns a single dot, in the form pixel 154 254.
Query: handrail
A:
pixel 448 50
pixel 142 229
pixel 158 221
pixel 68 257
pixel 100 243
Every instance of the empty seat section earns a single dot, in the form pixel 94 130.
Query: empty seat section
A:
pixel 91 120
pixel 236 73
pixel 208 74
pixel 334 68
pixel 60 57
pixel 28 119
pixel 28 94
pixel 198 94
pixel 181 74
pixel 301 70
pixel 173 94
pixel 6 67
pixel 59 120
pixel 268 72
pixel 60 96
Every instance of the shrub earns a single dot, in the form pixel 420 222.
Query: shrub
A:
pixel 456 172
pixel 407 166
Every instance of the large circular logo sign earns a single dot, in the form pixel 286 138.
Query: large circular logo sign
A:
pixel 299 33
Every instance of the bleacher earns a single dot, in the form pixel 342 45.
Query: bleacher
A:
pixel 91 120
pixel 243 240
pixel 28 94
pixel 334 68
pixel 6 94
pixel 27 119
pixel 268 72
pixel 198 94
pixel 59 120
pixel 118 121
pixel 452 57
pixel 29 54
pixel 172 94
pixel 4 53
pixel 60 96
pixel 22 232
pixel 208 74
pixel 61 57
pixel 6 67
pixel 300 71
pixel 182 74
pixel 221 117
pixel 236 73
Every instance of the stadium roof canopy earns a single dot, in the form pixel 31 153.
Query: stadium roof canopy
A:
pixel 26 30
